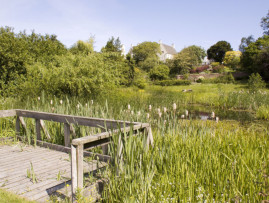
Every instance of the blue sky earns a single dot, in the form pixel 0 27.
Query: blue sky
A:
pixel 183 22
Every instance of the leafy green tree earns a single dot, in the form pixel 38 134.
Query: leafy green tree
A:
pixel 245 41
pixel 254 59
pixel 195 53
pixel 255 82
pixel 159 72
pixel 83 47
pixel 181 64
pixel 265 24
pixel 145 50
pixel 232 59
pixel 149 63
pixel 218 50
pixel 112 45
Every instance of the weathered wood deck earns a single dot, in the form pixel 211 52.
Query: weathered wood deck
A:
pixel 51 168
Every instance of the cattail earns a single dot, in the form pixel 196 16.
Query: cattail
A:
pixel 138 113
pixel 92 102
pixel 164 109
pixel 182 116
pixel 86 105
pixel 132 112
pixel 147 115
pixel 52 109
pixel 213 115
pixel 217 119
pixel 38 98
pixel 174 106
pixel 186 113
pixel 164 122
pixel 61 101
pixel 129 106
pixel 78 106
pixel 159 110
pixel 51 102
pixel 150 107
pixel 160 114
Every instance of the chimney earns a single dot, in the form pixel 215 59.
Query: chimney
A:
pixel 173 45
pixel 160 41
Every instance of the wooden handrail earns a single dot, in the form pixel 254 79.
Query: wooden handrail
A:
pixel 79 144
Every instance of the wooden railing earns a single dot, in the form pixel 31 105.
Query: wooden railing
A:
pixel 78 145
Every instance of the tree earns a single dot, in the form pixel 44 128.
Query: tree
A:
pixel 83 47
pixel 149 63
pixel 182 63
pixel 255 58
pixel 232 59
pixel 195 53
pixel 159 72
pixel 112 45
pixel 145 50
pixel 265 24
pixel 245 41
pixel 218 50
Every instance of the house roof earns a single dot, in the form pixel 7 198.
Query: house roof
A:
pixel 169 49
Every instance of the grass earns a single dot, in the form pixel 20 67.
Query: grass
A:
pixel 7 197
pixel 192 160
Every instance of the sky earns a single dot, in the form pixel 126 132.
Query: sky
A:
pixel 182 22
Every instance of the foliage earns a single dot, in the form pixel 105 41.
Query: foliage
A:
pixel 19 50
pixel 225 79
pixel 182 63
pixel 220 69
pixel 255 82
pixel 82 47
pixel 195 53
pixel 245 41
pixel 8 197
pixel 172 82
pixel 139 79
pixel 265 24
pixel 218 50
pixel 214 64
pixel 159 72
pixel 255 59
pixel 149 63
pixel 232 59
pixel 145 50
pixel 199 69
pixel 112 45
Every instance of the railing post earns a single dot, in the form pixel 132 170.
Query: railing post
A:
pixel 17 126
pixel 74 172
pixel 150 137
pixel 66 134
pixel 37 127
pixel 76 168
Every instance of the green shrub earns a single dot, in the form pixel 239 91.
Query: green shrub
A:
pixel 160 72
pixel 255 82
pixel 172 82
pixel 226 79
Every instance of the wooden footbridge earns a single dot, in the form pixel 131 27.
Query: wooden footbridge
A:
pixel 37 172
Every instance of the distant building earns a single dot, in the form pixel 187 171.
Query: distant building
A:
pixel 167 52
pixel 206 61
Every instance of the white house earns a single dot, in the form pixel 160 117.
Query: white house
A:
pixel 167 52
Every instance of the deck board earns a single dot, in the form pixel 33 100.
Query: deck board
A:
pixel 47 164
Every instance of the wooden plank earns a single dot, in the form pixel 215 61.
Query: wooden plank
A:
pixel 23 123
pixel 79 120
pixel 46 132
pixel 18 128
pixel 104 135
pixel 7 113
pixel 37 127
pixel 66 135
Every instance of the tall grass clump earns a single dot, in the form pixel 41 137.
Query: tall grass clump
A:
pixel 191 162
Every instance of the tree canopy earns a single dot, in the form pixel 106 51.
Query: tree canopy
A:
pixel 245 41
pixel 218 50
pixel 145 50
pixel 83 47
pixel 232 59
pixel 265 24
pixel 112 45
pixel 195 53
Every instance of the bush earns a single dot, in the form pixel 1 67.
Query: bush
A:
pixel 172 82
pixel 226 79
pixel 255 82
pixel 199 69
pixel 159 72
